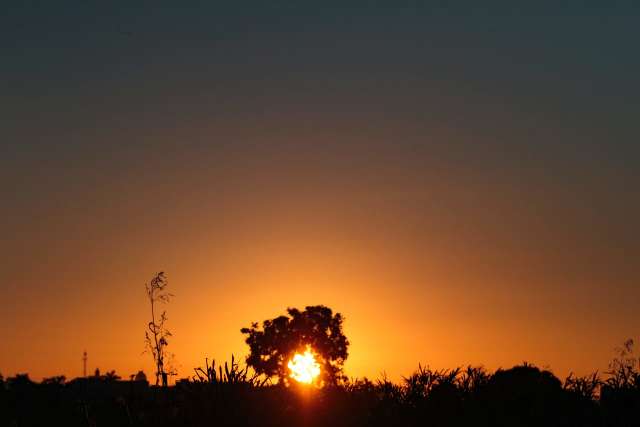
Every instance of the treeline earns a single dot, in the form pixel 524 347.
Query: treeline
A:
pixel 229 395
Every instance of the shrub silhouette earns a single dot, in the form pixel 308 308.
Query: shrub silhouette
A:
pixel 226 395
pixel 157 335
pixel 57 380
pixel 620 392
pixel 524 395
pixel 585 388
pixel 230 394
pixel 278 339
pixel 231 374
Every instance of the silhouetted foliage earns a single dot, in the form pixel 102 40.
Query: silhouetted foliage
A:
pixel 57 380
pixel 156 337
pixel 20 381
pixel 229 395
pixel 524 395
pixel 623 369
pixel 231 374
pixel 586 387
pixel 273 344
pixel 620 392
pixel 111 376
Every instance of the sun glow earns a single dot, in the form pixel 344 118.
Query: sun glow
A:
pixel 304 367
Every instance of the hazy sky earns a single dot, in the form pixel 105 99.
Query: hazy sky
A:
pixel 460 182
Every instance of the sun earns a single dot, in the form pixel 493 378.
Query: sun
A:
pixel 304 367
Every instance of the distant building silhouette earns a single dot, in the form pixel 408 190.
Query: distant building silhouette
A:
pixel 140 376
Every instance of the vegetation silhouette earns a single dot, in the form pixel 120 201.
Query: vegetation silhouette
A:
pixel 157 335
pixel 237 394
pixel 229 394
pixel 232 374
pixel 277 340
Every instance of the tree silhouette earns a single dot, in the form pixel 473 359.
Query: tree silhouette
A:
pixel 157 334
pixel 20 381
pixel 111 376
pixel 524 391
pixel 57 380
pixel 273 344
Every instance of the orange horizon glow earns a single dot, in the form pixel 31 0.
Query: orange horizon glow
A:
pixel 460 183
pixel 429 262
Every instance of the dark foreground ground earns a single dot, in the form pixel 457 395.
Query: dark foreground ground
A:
pixel 520 396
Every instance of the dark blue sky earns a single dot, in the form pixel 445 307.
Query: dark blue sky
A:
pixel 574 64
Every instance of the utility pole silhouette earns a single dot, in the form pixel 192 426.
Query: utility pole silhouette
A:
pixel 84 364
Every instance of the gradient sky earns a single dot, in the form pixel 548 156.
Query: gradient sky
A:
pixel 460 182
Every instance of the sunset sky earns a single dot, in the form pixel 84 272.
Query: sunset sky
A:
pixel 461 183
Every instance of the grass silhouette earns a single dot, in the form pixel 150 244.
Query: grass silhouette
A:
pixel 230 395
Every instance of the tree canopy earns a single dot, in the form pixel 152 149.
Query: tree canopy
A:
pixel 278 339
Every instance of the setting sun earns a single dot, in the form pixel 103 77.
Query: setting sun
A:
pixel 304 367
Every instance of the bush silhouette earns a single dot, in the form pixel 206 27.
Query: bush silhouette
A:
pixel 226 395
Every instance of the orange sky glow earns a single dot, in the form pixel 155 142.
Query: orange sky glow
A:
pixel 426 268
pixel 460 184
